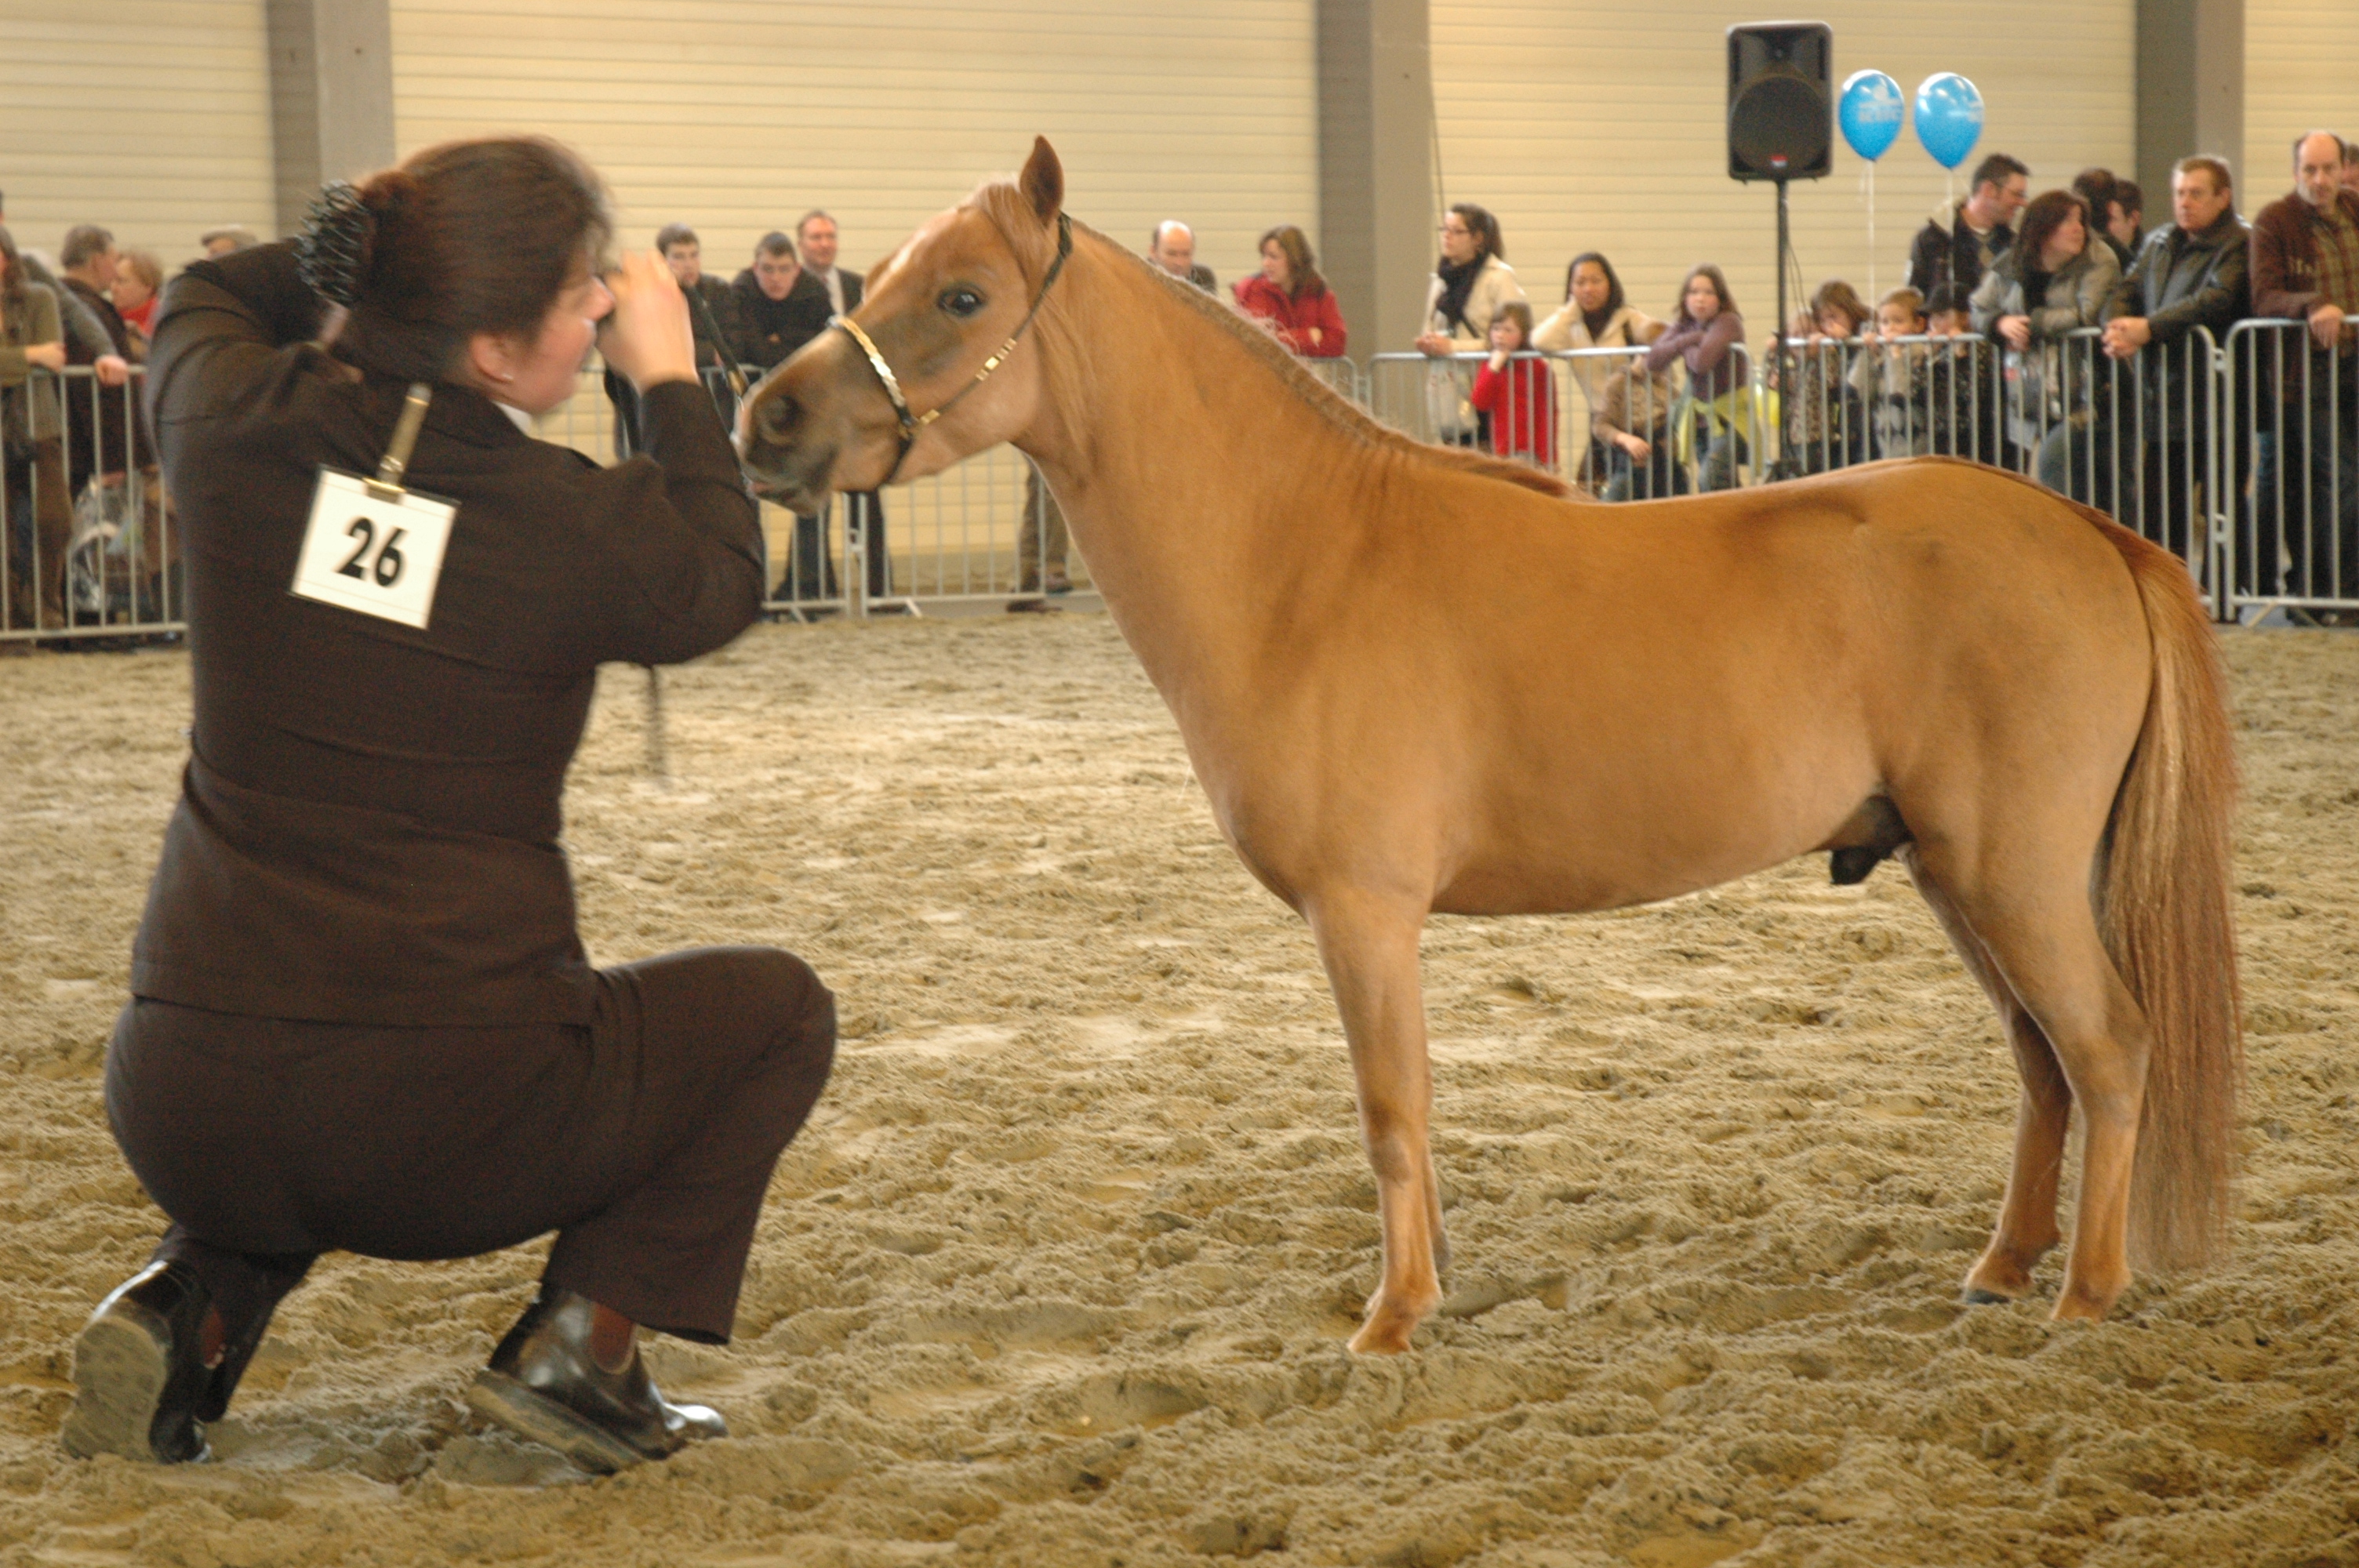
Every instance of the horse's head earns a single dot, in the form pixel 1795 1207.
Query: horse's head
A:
pixel 943 323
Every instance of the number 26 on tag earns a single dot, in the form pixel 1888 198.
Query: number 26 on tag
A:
pixel 378 556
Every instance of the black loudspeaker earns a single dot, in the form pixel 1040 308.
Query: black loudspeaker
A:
pixel 1780 106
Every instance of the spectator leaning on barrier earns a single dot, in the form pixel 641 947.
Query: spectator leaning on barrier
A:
pixel 1962 380
pixel 81 329
pixel 1826 425
pixel 1469 284
pixel 88 262
pixel 1704 333
pixel 1959 243
pixel 2128 223
pixel 1517 396
pixel 1288 294
pixel 779 308
pixel 1172 247
pixel 2306 268
pixel 33 476
pixel 2054 280
pixel 2191 273
pixel 815 238
pixel 2104 196
pixel 1893 380
pixel 1597 315
pixel 138 285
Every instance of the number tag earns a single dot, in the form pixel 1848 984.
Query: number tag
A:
pixel 381 558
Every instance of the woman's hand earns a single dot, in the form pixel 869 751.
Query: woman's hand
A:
pixel 1438 344
pixel 48 356
pixel 647 337
pixel 1636 446
pixel 2016 330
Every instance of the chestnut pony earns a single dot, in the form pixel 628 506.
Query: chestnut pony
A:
pixel 1412 680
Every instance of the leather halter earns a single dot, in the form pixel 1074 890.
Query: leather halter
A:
pixel 911 424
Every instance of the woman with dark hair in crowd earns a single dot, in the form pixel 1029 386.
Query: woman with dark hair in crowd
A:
pixel 362 1018
pixel 1703 331
pixel 1290 295
pixel 1470 283
pixel 2053 281
pixel 1596 314
pixel 32 432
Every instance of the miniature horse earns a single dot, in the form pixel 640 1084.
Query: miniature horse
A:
pixel 1414 679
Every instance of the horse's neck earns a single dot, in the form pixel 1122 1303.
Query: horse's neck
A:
pixel 1184 478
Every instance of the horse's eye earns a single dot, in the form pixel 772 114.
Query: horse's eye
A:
pixel 962 302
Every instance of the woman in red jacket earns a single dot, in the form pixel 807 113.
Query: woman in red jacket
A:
pixel 1519 393
pixel 1290 295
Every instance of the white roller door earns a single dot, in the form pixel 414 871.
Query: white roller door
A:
pixel 2302 73
pixel 150 116
pixel 736 116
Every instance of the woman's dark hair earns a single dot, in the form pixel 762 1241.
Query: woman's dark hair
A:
pixel 1295 246
pixel 1485 229
pixel 1614 299
pixel 2042 220
pixel 1719 286
pixel 469 237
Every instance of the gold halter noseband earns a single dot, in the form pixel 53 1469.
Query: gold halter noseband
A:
pixel 913 423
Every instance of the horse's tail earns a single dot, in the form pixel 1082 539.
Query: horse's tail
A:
pixel 2163 904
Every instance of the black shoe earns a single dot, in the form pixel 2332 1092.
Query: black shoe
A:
pixel 544 1383
pixel 139 1376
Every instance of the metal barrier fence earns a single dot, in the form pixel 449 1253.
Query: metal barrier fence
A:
pixel 2291 416
pixel 2240 457
pixel 2132 433
pixel 89 550
pixel 1596 417
pixel 985 530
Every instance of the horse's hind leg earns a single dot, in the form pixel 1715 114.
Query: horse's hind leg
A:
pixel 2031 913
pixel 2027 1218
pixel 1370 949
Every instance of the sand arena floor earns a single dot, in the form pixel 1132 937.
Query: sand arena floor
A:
pixel 1061 1272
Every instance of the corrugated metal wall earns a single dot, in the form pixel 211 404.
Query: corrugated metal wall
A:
pixel 2302 73
pixel 1589 128
pixel 739 115
pixel 150 116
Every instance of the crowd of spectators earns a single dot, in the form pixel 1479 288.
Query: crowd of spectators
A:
pixel 1983 352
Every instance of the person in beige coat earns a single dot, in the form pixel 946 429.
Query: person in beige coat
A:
pixel 1596 314
pixel 1468 287
pixel 33 436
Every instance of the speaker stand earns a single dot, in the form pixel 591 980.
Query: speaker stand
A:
pixel 1784 467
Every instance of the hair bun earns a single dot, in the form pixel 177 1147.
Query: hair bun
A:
pixel 333 249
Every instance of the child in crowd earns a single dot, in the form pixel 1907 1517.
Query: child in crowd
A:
pixel 1962 380
pixel 1893 378
pixel 1518 395
pixel 1825 424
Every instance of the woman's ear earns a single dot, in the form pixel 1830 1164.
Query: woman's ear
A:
pixel 491 359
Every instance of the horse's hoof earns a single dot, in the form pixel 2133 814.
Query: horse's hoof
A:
pixel 1380 1339
pixel 2079 1306
pixel 1975 1295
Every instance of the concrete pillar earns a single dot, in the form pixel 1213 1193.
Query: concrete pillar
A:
pixel 2190 96
pixel 1377 213
pixel 331 96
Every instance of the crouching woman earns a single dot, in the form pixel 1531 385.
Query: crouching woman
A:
pixel 361 1017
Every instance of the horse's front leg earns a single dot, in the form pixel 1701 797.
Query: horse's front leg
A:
pixel 1369 947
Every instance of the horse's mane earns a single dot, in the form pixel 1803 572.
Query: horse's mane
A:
pixel 1007 208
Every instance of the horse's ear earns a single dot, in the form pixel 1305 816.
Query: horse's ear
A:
pixel 1043 179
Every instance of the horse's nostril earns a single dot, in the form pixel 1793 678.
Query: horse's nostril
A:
pixel 777 415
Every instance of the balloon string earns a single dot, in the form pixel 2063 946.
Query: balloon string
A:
pixel 1871 232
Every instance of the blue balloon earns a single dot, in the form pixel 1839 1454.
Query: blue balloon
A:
pixel 1869 112
pixel 1948 117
